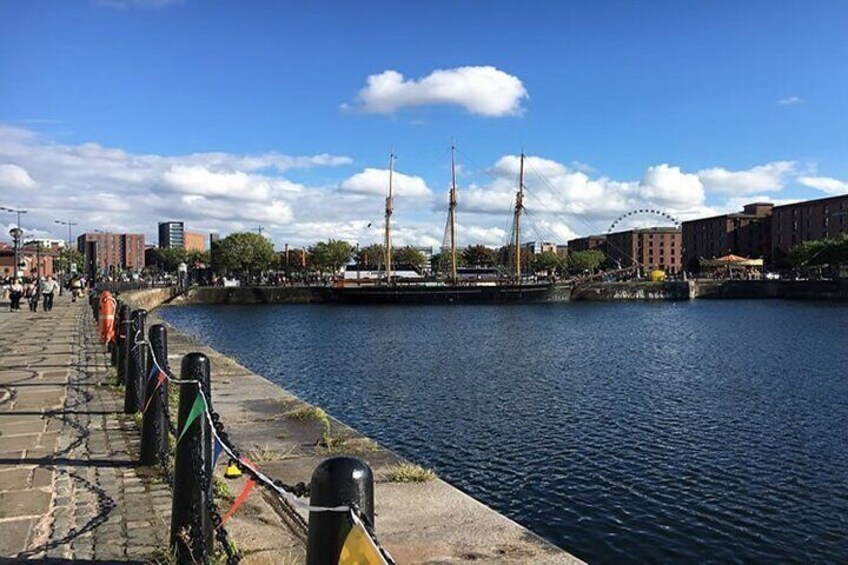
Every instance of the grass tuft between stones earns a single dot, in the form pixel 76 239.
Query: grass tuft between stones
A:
pixel 409 473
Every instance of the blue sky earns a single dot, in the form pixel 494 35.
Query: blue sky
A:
pixel 196 110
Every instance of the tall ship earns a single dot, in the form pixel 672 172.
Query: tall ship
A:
pixel 455 285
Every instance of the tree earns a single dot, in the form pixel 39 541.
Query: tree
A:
pixel 70 257
pixel 409 256
pixel 244 253
pixel 548 261
pixel 197 258
pixel 372 257
pixel 479 256
pixel 580 261
pixel 330 255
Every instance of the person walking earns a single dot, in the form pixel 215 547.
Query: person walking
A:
pixel 31 294
pixel 16 292
pixel 76 288
pixel 48 288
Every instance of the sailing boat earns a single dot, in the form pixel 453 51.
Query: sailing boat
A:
pixel 451 290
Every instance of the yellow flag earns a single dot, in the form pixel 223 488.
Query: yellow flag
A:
pixel 359 549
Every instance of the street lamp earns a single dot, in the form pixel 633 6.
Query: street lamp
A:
pixel 16 234
pixel 68 223
pixel 17 211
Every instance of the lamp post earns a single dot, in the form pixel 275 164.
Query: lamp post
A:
pixel 17 229
pixel 66 253
pixel 17 211
pixel 16 234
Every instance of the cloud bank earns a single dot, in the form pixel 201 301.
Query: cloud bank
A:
pixel 112 189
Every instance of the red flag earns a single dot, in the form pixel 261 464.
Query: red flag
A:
pixel 247 488
pixel 159 382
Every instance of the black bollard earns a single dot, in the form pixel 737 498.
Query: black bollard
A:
pixel 135 366
pixel 120 345
pixel 336 482
pixel 154 426
pixel 191 526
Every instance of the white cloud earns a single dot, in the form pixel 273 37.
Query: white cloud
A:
pixel 762 178
pixel 376 181
pixel 669 187
pixel 485 91
pixel 825 184
pixel 13 177
pixel 790 101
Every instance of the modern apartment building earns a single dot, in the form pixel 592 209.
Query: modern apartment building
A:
pixel 111 251
pixel 792 224
pixel 171 234
pixel 651 248
pixel 747 233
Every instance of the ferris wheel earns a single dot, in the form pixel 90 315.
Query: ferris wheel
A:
pixel 641 212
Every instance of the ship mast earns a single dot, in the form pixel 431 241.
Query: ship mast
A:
pixel 452 217
pixel 519 206
pixel 389 208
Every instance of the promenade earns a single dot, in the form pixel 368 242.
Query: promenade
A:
pixel 69 489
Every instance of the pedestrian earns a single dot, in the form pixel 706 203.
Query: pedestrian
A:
pixel 31 294
pixel 47 290
pixel 16 291
pixel 76 288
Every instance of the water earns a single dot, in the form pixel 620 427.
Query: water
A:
pixel 628 432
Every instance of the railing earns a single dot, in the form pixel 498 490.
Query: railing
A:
pixel 341 489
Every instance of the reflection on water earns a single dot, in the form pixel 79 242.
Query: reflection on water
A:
pixel 621 432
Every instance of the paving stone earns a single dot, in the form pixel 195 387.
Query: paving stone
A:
pixel 15 535
pixel 24 503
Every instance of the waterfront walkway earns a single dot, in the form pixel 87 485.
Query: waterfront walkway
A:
pixel 69 488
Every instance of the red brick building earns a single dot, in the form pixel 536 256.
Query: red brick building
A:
pixel 114 251
pixel 652 248
pixel 747 234
pixel 792 224
pixel 587 243
pixel 34 262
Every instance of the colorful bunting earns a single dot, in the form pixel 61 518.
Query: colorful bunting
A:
pixel 153 370
pixel 241 498
pixel 159 382
pixel 217 448
pixel 359 548
pixel 197 409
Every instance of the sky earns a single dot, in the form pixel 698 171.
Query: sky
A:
pixel 119 114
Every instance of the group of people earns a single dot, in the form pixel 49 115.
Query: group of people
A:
pixel 39 290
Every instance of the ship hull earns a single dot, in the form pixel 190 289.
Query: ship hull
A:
pixel 419 294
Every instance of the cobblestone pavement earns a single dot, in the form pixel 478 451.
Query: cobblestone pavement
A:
pixel 69 487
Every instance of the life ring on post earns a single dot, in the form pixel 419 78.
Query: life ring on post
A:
pixel 108 305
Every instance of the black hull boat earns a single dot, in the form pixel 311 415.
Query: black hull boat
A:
pixel 460 294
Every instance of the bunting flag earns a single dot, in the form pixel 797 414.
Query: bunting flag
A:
pixel 197 409
pixel 159 382
pixel 153 370
pixel 359 548
pixel 248 463
pixel 217 448
pixel 241 498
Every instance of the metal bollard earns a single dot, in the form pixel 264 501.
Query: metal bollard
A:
pixel 135 372
pixel 154 427
pixel 335 482
pixel 191 526
pixel 120 344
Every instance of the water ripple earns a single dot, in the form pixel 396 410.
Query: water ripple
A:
pixel 708 431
